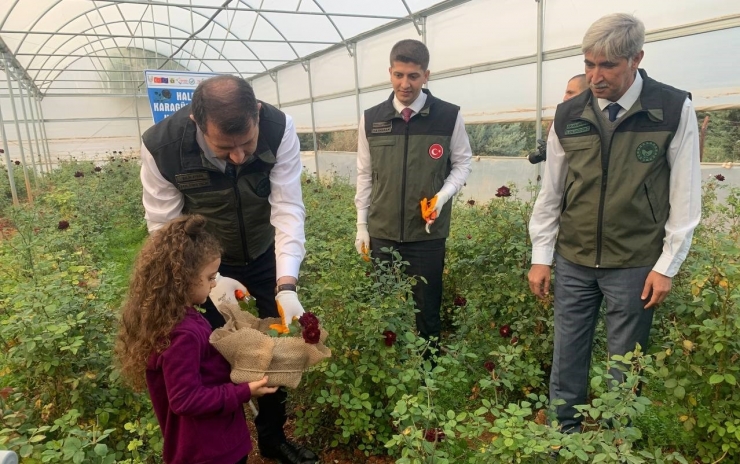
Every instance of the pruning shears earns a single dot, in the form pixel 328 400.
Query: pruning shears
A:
pixel 428 212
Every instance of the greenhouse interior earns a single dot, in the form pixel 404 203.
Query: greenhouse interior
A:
pixel 82 81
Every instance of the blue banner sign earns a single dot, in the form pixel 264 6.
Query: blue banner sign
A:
pixel 171 90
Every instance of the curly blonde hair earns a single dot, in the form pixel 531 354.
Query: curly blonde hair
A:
pixel 166 267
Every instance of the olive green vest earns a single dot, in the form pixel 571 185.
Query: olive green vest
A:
pixel 235 202
pixel 616 193
pixel 410 161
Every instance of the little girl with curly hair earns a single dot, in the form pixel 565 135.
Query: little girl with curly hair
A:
pixel 163 344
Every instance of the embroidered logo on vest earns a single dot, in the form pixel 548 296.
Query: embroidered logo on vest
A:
pixel 647 152
pixel 381 127
pixel 436 151
pixel 192 180
pixel 578 127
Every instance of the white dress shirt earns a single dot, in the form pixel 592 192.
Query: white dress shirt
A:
pixel 684 185
pixel 164 202
pixel 460 156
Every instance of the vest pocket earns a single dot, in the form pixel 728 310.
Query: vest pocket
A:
pixel 651 202
pixel 381 141
pixel 565 196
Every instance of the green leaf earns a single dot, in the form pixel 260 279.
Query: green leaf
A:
pixel 716 378
pixel 101 449
pixel 729 378
pixel 679 392
pixel 671 383
pixel 26 450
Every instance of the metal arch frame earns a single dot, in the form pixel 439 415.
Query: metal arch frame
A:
pixel 250 9
pixel 48 82
pixel 36 76
pixel 209 20
pixel 98 9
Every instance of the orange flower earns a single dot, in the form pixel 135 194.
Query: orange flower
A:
pixel 280 328
pixel 239 294
pixel 365 255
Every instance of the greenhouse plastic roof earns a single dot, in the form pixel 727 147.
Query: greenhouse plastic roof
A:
pixel 44 38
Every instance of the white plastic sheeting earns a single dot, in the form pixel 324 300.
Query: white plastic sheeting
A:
pixel 483 53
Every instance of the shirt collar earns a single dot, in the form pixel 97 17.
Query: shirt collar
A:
pixel 630 96
pixel 219 163
pixel 416 106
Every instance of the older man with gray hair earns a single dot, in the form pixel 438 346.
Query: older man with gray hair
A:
pixel 619 203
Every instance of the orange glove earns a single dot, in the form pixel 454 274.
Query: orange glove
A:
pixel 427 209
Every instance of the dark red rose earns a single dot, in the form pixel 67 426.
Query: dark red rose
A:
pixel 79 174
pixel 308 181
pixel 98 169
pixel 460 301
pixel 471 202
pixel 17 163
pixel 503 192
pixel 311 334
pixel 63 225
pixel 308 320
pixel 489 365
pixel 390 337
pixel 367 273
pixel 469 236
pixel 5 392
pixel 434 435
pixel 514 340
pixel 719 177
pixel 505 331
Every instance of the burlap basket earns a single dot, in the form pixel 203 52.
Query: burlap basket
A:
pixel 253 354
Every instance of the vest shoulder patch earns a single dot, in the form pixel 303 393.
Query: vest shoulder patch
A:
pixel 578 127
pixel 383 127
pixel 647 151
pixel 192 180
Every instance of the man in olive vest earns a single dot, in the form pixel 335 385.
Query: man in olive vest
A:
pixel 236 161
pixel 619 202
pixel 412 146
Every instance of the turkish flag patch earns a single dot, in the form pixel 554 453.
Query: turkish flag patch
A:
pixel 436 151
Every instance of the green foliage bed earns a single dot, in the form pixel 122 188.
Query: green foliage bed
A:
pixel 64 264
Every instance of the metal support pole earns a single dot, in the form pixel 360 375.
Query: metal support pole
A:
pixel 28 133
pixel 307 67
pixel 18 132
pixel 540 38
pixel 353 51
pixel 35 134
pixel 43 127
pixel 274 77
pixel 44 146
pixel 11 178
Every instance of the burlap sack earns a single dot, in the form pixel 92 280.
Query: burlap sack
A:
pixel 253 354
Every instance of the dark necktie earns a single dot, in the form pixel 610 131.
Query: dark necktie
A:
pixel 613 111
pixel 406 114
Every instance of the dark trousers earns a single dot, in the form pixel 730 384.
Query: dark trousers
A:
pixel 259 278
pixel 579 291
pixel 243 460
pixel 425 259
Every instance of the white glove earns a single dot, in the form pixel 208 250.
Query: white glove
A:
pixel 223 292
pixel 362 239
pixel 288 306
pixel 441 200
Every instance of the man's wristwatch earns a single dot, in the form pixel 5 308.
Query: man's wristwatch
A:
pixel 289 287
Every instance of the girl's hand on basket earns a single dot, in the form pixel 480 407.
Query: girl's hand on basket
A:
pixel 259 388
